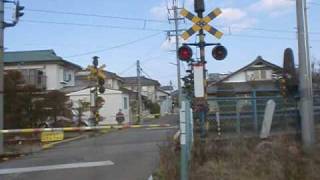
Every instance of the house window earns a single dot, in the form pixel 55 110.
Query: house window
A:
pixel 125 103
pixel 66 76
pixel 162 98
pixel 258 75
pixel 69 77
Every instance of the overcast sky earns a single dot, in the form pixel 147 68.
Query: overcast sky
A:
pixel 251 27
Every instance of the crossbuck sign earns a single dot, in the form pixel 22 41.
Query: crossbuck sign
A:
pixel 201 23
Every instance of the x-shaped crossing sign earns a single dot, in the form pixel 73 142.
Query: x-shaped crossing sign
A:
pixel 201 23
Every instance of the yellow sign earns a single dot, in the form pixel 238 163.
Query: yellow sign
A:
pixel 201 23
pixel 52 136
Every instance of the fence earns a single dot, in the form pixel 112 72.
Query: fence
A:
pixel 244 115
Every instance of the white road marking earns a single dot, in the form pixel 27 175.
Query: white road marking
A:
pixel 150 178
pixel 55 167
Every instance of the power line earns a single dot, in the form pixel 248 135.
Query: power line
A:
pixel 313 3
pixel 127 69
pixel 115 47
pixel 154 29
pixel 265 37
pixel 146 73
pixel 91 25
pixel 94 15
pixel 147 29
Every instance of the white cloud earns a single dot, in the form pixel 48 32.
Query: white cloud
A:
pixel 232 14
pixel 159 12
pixel 170 43
pixel 235 20
pixel 272 5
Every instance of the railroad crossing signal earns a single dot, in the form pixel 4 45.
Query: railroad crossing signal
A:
pixel 201 23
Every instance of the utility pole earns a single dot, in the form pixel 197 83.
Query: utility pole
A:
pixel 17 14
pixel 140 120
pixel 305 78
pixel 1 71
pixel 175 9
pixel 176 31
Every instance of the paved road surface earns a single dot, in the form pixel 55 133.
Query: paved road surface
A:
pixel 122 155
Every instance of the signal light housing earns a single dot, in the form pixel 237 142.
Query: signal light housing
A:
pixel 185 53
pixel 18 11
pixel 95 61
pixel 219 52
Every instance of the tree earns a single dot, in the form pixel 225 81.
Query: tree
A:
pixel 56 103
pixel 82 106
pixel 21 107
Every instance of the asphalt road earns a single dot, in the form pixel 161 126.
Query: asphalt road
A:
pixel 131 154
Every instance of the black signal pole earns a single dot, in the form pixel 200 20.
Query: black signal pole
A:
pixel 199 8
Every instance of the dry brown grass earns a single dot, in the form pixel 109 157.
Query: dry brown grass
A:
pixel 280 158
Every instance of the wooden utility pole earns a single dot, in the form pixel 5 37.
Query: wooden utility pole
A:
pixel 140 120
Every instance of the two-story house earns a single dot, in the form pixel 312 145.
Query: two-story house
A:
pixel 149 87
pixel 112 81
pixel 42 68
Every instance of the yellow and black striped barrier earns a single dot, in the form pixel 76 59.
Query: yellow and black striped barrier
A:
pixel 149 116
pixel 73 129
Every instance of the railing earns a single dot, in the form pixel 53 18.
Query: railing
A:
pixel 244 115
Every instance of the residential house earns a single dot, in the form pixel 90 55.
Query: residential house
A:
pixel 42 68
pixel 259 75
pixel 165 101
pixel 148 86
pixel 169 89
pixel 115 98
pixel 112 81
pixel 162 95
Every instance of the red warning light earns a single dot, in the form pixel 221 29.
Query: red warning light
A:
pixel 185 53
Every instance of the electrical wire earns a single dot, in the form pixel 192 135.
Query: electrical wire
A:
pixel 94 15
pixel 146 73
pixel 114 47
pixel 91 25
pixel 127 69
pixel 313 3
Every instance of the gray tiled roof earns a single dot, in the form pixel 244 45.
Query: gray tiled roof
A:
pixel 36 56
pixel 144 81
pixel 167 88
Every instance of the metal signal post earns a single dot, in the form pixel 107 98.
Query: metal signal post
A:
pixel 17 14
pixel 98 76
pixel 200 8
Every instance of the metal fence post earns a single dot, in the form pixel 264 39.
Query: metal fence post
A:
pixel 238 124
pixel 254 110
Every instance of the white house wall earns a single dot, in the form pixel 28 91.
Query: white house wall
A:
pixel 113 102
pixel 53 75
pixel 239 77
pixel 244 76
